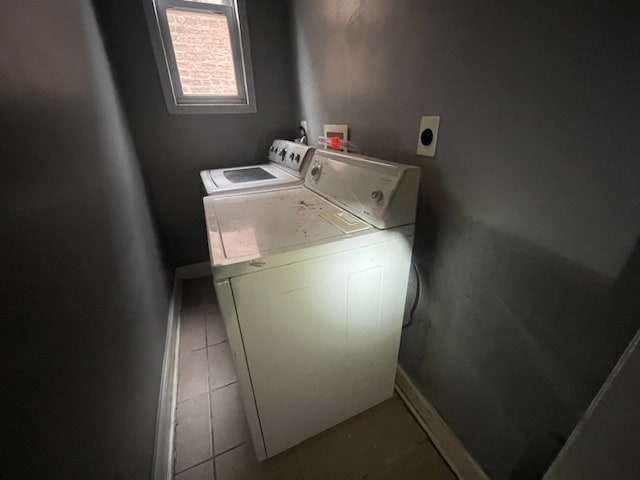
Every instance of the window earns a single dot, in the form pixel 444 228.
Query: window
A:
pixel 202 51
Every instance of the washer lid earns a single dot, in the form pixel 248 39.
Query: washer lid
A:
pixel 251 225
pixel 245 177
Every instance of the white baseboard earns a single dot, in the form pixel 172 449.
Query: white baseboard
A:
pixel 196 270
pixel 447 443
pixel 165 433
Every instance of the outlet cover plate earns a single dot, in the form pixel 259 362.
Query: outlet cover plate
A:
pixel 341 131
pixel 427 123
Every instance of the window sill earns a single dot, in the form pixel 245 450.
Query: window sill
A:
pixel 209 109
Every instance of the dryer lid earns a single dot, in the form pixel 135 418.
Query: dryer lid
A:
pixel 256 224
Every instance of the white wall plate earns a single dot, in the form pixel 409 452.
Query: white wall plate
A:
pixel 428 136
pixel 340 131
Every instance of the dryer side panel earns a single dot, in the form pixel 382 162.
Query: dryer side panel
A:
pixel 321 338
pixel 234 337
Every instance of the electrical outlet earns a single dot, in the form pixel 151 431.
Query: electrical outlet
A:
pixel 428 136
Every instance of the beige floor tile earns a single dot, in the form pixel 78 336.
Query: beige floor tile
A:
pixel 282 467
pixel 210 302
pixel 201 472
pixel 215 328
pixel 192 375
pixel 362 446
pixel 192 330
pixel 221 369
pixel 229 425
pixel 239 464
pixel 421 463
pixel 193 433
pixel 389 427
pixel 339 453
pixel 208 295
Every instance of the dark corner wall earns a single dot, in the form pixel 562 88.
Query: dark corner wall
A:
pixel 605 445
pixel 529 213
pixel 174 148
pixel 84 292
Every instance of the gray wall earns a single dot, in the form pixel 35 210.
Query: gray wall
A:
pixel 174 148
pixel 607 442
pixel 83 290
pixel 528 214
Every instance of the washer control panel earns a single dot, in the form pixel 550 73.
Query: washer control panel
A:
pixel 294 156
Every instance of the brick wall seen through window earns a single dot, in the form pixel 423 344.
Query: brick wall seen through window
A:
pixel 202 49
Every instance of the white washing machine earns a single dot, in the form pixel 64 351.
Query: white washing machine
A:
pixel 287 165
pixel 311 282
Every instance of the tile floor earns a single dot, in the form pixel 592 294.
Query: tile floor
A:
pixel 212 438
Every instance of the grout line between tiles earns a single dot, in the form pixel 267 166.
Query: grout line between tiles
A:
pixel 216 455
pixel 216 344
pixel 213 442
pixel 298 467
pixel 206 335
pixel 211 390
pixel 223 386
pixel 192 351
pixel 210 459
pixel 202 348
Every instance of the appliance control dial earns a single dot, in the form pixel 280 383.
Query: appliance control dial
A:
pixel 316 170
pixel 377 196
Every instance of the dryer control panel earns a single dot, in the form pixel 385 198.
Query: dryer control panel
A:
pixel 293 156
pixel 382 193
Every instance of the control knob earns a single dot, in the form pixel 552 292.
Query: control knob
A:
pixel 377 196
pixel 315 170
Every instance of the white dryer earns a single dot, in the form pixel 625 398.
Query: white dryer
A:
pixel 311 282
pixel 287 165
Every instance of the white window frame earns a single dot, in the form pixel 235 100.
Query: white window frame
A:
pixel 177 102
